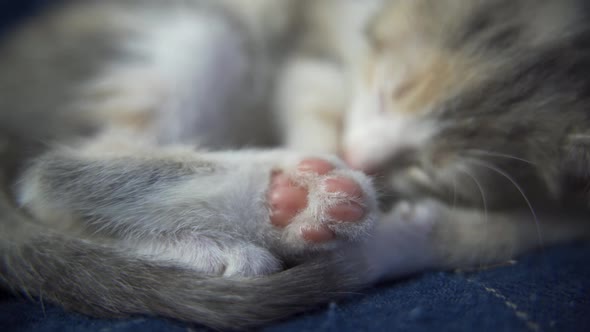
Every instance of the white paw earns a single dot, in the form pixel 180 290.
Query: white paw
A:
pixel 416 215
pixel 403 241
pixel 214 257
pixel 318 203
pixel 249 261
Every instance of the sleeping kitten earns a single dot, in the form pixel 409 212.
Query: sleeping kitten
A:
pixel 454 105
pixel 109 209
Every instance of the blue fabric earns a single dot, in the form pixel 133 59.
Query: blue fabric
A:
pixel 544 291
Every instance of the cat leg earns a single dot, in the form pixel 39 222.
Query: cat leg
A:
pixel 200 209
pixel 430 235
pixel 311 99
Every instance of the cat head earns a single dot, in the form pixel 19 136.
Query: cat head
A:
pixel 471 100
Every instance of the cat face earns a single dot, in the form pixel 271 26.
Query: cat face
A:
pixel 469 100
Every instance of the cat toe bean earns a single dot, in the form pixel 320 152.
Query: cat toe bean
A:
pixel 315 165
pixel 286 200
pixel 319 203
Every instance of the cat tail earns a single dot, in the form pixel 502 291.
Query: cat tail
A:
pixel 102 281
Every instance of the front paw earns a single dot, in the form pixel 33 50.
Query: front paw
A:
pixel 420 216
pixel 404 241
pixel 318 203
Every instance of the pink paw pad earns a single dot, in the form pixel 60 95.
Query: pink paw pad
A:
pixel 288 199
pixel 315 165
pixel 351 211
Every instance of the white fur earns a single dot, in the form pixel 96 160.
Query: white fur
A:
pixel 220 256
pixel 401 243
pixel 191 65
pixel 311 98
pixel 372 136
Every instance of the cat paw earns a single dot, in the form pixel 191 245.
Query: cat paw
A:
pixel 422 215
pixel 319 203
pixel 215 257
pixel 402 242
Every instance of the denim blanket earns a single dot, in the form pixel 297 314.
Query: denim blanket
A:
pixel 544 291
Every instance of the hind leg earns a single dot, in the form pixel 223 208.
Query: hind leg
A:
pixel 200 208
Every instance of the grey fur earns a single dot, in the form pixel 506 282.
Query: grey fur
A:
pixel 120 285
pixel 531 105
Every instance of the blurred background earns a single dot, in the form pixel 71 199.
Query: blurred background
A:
pixel 11 11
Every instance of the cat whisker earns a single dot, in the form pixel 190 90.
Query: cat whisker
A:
pixel 579 137
pixel 454 193
pixel 481 191
pixel 516 185
pixel 500 155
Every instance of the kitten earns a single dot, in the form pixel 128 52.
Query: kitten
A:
pixel 454 103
